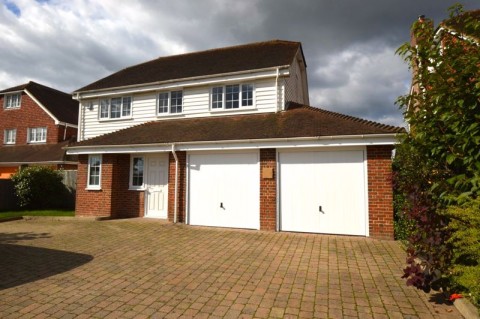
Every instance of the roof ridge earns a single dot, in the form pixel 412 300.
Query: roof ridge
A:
pixel 212 50
pixel 46 87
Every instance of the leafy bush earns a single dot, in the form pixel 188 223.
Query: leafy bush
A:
pixel 438 161
pixel 465 243
pixel 39 187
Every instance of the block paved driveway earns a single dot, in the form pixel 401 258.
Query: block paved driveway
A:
pixel 149 269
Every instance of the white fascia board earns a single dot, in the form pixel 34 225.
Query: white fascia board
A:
pixel 184 83
pixel 42 107
pixel 57 122
pixel 298 142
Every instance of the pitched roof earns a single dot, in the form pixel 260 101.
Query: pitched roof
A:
pixel 59 103
pixel 216 61
pixel 463 23
pixel 38 153
pixel 297 121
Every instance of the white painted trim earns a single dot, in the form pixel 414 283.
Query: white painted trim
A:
pixel 296 142
pixel 99 186
pixel 57 121
pixel 367 195
pixel 185 82
pixel 130 174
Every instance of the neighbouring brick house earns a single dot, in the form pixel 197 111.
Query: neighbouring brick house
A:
pixel 226 137
pixel 36 123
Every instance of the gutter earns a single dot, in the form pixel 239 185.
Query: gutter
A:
pixel 175 205
pixel 245 141
pixel 322 141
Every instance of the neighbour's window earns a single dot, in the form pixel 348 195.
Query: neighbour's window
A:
pixel 115 108
pixel 9 136
pixel 170 102
pixel 12 100
pixel 232 96
pixel 37 135
pixel 94 171
pixel 136 173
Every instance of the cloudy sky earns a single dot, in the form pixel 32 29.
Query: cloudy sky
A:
pixel 349 45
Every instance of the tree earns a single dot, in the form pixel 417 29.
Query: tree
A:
pixel 439 159
pixel 39 187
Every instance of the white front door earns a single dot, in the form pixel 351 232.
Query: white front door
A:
pixel 323 192
pixel 156 192
pixel 224 190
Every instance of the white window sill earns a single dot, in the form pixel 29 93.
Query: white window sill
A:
pixel 35 142
pixel 93 188
pixel 126 118
pixel 240 109
pixel 11 108
pixel 160 115
pixel 9 143
pixel 133 188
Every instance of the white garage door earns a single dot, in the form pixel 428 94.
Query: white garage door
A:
pixel 323 192
pixel 224 190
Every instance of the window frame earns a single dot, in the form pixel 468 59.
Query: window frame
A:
pixel 121 111
pixel 170 98
pixel 89 172
pixel 131 185
pixel 226 99
pixel 29 134
pixel 8 96
pixel 6 136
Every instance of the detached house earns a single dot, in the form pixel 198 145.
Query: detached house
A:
pixel 36 123
pixel 226 138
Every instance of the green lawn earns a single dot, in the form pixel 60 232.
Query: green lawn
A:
pixel 21 213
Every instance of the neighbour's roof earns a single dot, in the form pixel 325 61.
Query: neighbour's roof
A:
pixel 37 153
pixel 59 103
pixel 462 23
pixel 297 121
pixel 204 63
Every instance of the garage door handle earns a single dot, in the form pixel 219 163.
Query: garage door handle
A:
pixel 320 210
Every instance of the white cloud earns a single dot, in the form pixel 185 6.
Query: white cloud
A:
pixel 364 80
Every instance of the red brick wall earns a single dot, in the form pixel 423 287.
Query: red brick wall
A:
pixel 29 115
pixel 126 203
pixel 114 199
pixel 182 186
pixel 380 191
pixel 96 203
pixel 268 190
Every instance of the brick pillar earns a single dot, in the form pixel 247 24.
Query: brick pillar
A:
pixel 125 203
pixel 380 191
pixel 268 189
pixel 182 174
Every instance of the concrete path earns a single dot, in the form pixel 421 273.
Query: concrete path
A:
pixel 150 269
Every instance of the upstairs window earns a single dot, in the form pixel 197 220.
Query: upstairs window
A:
pixel 232 96
pixel 9 136
pixel 170 102
pixel 37 135
pixel 12 101
pixel 116 108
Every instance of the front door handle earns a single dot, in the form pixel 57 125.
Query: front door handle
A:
pixel 221 206
pixel 320 210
